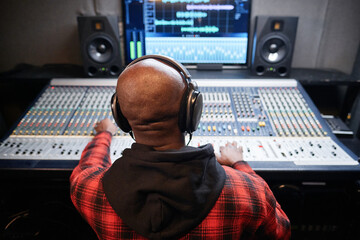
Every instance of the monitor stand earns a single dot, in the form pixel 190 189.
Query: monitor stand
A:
pixel 209 66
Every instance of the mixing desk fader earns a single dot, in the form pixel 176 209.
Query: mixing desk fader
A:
pixel 274 120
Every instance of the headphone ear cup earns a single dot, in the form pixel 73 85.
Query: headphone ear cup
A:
pixel 119 118
pixel 190 109
pixel 196 110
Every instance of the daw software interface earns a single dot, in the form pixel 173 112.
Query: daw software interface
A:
pixel 190 31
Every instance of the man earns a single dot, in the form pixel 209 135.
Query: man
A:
pixel 162 189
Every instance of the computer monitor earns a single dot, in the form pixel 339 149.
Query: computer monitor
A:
pixel 190 31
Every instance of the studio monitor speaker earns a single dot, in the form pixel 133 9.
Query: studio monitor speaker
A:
pixel 100 45
pixel 273 45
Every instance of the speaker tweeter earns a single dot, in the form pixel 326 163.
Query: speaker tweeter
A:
pixel 100 45
pixel 273 45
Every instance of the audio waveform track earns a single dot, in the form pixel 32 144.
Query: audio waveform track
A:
pixel 191 14
pixel 185 1
pixel 210 7
pixel 173 22
pixel 205 29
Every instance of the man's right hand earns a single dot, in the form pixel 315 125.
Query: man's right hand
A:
pixel 230 154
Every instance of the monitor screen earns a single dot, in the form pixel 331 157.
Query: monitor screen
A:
pixel 190 31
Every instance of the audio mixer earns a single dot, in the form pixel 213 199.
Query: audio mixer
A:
pixel 274 120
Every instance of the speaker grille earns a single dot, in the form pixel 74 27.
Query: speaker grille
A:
pixel 100 50
pixel 274 50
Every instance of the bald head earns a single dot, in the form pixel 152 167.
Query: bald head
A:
pixel 150 93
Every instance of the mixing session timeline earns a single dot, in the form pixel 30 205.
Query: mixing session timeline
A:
pixel 190 31
pixel 275 122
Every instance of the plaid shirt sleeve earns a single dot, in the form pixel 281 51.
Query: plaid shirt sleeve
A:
pixel 274 223
pixel 246 208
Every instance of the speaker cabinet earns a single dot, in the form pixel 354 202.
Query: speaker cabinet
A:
pixel 100 45
pixel 273 45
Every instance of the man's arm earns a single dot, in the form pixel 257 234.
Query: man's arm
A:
pixel 275 224
pixel 95 159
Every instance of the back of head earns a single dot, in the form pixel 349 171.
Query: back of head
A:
pixel 150 94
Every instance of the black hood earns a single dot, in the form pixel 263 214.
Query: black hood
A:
pixel 164 194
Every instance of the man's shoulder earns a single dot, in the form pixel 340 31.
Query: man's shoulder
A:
pixel 237 181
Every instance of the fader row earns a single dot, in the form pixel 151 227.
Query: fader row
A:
pixel 301 151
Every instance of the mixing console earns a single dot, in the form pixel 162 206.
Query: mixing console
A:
pixel 274 121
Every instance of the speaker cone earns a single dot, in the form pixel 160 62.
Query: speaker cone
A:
pixel 100 50
pixel 274 50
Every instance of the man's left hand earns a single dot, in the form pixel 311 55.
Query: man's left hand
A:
pixel 106 125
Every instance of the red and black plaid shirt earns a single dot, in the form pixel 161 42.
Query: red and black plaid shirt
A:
pixel 246 208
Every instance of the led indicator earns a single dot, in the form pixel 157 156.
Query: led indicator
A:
pixel 132 50
pixel 139 49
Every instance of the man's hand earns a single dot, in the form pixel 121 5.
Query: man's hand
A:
pixel 230 154
pixel 106 125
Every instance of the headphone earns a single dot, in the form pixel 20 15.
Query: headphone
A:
pixel 191 103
